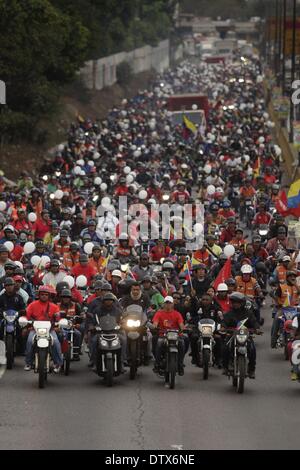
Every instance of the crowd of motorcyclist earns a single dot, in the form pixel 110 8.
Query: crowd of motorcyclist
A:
pixel 62 256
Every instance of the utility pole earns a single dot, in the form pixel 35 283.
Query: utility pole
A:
pixel 292 108
pixel 284 47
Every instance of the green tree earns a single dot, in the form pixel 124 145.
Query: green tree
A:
pixel 41 49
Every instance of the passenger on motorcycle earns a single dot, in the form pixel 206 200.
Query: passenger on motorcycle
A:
pixel 168 319
pixel 287 295
pixel 206 309
pixel 43 310
pixel 108 306
pixel 238 313
pixel 70 309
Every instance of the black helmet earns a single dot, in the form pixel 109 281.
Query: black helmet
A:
pixel 66 293
pixel 238 297
pixel 230 282
pixel 261 267
pixel 60 286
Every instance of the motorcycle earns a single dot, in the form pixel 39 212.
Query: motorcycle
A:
pixel 169 361
pixel 263 231
pixel 238 357
pixel 108 362
pixel 42 343
pixel 284 333
pixel 295 358
pixel 10 327
pixel 205 344
pixel 137 338
pixel 70 352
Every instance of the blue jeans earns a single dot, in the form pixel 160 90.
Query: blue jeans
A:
pixel 55 350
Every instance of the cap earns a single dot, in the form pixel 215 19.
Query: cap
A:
pixel 9 281
pixel 285 258
pixel 116 272
pixel 222 287
pixel 109 296
pixel 18 278
pixel 168 299
pixel 106 286
pixel 63 233
pixel 3 249
pixel 54 262
pixel 83 257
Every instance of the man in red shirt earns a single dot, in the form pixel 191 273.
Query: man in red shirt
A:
pixel 262 217
pixel 84 269
pixel 43 310
pixel 168 319
pixel 42 226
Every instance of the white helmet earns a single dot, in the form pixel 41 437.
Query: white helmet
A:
pixel 246 269
pixel 222 287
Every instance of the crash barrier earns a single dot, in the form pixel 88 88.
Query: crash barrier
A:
pixel 97 74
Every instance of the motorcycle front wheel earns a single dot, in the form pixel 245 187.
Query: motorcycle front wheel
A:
pixel 109 372
pixel 42 358
pixel 67 361
pixel 9 351
pixel 172 366
pixel 133 359
pixel 241 374
pixel 205 359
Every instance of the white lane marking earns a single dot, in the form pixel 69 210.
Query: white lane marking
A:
pixel 177 446
pixel 2 370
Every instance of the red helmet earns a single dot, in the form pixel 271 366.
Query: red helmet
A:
pixel 288 325
pixel 46 289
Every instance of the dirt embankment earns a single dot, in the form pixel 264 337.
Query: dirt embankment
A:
pixel 76 100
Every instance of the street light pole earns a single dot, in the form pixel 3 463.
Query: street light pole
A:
pixel 284 47
pixel 292 109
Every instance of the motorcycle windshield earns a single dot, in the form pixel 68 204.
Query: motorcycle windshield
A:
pixel 289 312
pixel 207 321
pixel 107 323
pixel 135 311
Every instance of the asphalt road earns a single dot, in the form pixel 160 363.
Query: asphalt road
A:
pixel 80 412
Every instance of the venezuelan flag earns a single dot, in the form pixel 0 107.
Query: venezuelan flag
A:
pixel 187 268
pixel 293 198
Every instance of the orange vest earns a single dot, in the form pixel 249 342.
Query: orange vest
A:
pixel 60 249
pixel 289 295
pixel 98 265
pixel 69 262
pixel 69 311
pixel 281 273
pixel 246 288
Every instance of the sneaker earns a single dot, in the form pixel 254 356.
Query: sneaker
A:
pixel 225 372
pixel 27 367
pixel 181 371
pixel 56 369
pixel 294 376
pixel 251 374
pixel 91 364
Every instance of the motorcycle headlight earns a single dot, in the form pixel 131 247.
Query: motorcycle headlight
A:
pixel 42 331
pixel 103 342
pixel 172 336
pixel 206 330
pixel 165 197
pixel 10 318
pixel 241 339
pixel 263 232
pixel 133 323
pixel 115 343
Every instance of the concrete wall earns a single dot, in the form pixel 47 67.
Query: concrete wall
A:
pixel 97 74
